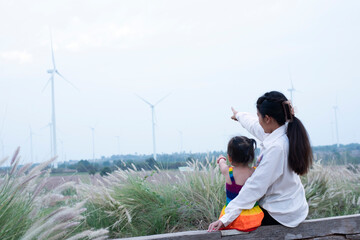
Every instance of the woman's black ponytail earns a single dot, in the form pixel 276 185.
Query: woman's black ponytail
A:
pixel 300 153
pixel 275 105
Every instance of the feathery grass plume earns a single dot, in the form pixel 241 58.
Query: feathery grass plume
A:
pixel 332 190
pixel 21 215
pixel 61 223
pixel 138 203
pixel 203 193
pixel 16 153
pixel 2 161
pixel 132 203
pixel 24 169
pixel 15 203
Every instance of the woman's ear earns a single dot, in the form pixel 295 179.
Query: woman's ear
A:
pixel 267 119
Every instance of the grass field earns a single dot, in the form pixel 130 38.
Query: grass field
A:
pixel 168 201
pixel 37 205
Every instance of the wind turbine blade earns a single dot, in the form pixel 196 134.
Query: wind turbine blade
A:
pixel 143 100
pixel 57 72
pixel 47 83
pixel 161 99
pixel 52 51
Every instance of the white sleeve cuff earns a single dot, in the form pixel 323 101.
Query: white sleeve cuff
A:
pixel 223 220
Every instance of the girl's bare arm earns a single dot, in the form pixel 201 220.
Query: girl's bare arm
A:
pixel 224 168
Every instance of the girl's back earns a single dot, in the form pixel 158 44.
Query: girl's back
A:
pixel 241 151
pixel 240 174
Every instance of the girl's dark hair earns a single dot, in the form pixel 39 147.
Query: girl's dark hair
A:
pixel 276 105
pixel 241 149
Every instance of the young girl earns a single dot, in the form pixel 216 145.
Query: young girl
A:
pixel 285 154
pixel 240 154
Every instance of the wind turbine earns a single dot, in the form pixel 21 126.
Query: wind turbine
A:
pixel 62 150
pixel 118 144
pixel 292 89
pixel 52 72
pixel 332 131
pixel 51 143
pixel 181 140
pixel 152 106
pixel 31 145
pixel 336 126
pixel 2 149
pixel 93 141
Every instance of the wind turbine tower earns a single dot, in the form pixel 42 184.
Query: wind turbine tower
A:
pixel 53 118
pixel 51 140
pixel 336 126
pixel 152 106
pixel 93 142
pixel 52 73
pixel 181 140
pixel 31 145
pixel 2 149
pixel 292 89
pixel 118 144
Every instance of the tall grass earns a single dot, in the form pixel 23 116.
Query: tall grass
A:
pixel 332 190
pixel 132 203
pixel 24 207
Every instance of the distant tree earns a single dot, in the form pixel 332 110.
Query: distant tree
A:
pixel 105 171
pixel 92 171
pixel 151 162
pixel 86 166
pixel 83 166
pixel 106 164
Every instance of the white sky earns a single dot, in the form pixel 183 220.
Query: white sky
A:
pixel 210 55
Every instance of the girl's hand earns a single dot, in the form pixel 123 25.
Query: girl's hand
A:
pixel 215 226
pixel 219 158
pixel 233 117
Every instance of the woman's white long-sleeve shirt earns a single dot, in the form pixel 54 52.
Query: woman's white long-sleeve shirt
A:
pixel 278 188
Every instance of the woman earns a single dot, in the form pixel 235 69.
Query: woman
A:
pixel 285 154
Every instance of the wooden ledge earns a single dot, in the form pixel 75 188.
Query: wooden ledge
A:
pixel 342 227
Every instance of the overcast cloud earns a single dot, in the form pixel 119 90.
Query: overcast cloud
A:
pixel 210 55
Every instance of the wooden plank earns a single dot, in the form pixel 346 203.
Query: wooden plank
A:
pixel 353 237
pixel 192 235
pixel 309 229
pixel 334 237
pixel 332 218
pixel 324 228
pixel 232 232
